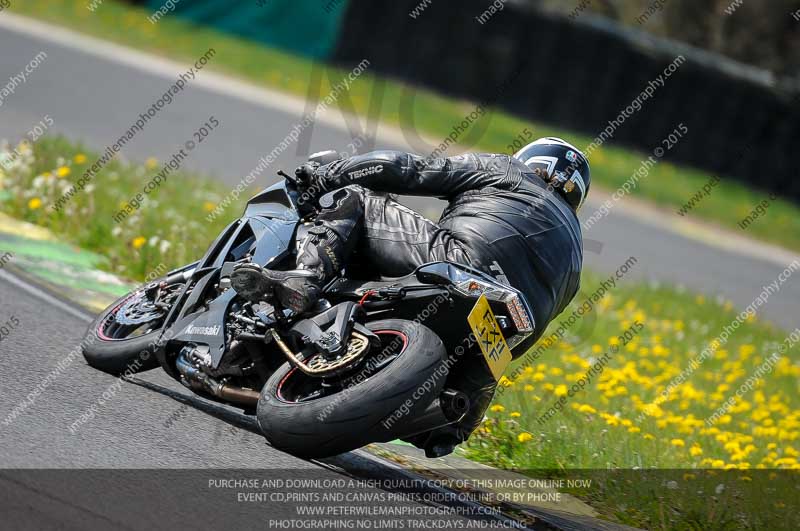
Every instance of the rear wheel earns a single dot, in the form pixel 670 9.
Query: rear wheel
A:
pixel 312 417
pixel 124 338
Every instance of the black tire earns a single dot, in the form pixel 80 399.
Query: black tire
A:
pixel 118 356
pixel 340 422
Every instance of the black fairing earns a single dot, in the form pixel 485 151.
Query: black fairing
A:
pixel 266 231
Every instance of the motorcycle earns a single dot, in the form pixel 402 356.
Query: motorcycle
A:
pixel 370 363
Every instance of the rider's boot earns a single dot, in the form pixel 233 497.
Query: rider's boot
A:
pixel 319 259
pixel 322 250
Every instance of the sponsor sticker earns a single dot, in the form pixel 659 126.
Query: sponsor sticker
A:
pixel 360 174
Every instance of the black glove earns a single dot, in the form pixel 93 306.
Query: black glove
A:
pixel 306 176
pixel 309 183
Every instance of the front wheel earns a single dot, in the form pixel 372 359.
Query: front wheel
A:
pixel 313 417
pixel 124 338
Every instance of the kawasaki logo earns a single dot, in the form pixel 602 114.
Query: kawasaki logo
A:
pixel 203 330
pixel 358 174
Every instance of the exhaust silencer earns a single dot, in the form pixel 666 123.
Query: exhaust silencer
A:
pixel 448 408
pixel 194 378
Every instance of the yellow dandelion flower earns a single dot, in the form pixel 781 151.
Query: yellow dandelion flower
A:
pixel 151 163
pixel 560 390
pixel 613 341
pixel 677 442
pixel 62 172
pixel 80 158
pixel 138 242
pixel 695 450
pixel 539 376
pixel 746 350
pixel 524 437
pixel 35 203
pixel 658 350
pixel 497 408
pixel 528 388
pixel 515 414
pixel 586 408
pixel 648 436
pixel 208 206
pixel 634 429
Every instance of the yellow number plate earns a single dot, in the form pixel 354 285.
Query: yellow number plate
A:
pixel 489 337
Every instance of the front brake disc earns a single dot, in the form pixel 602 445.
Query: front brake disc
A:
pixel 137 310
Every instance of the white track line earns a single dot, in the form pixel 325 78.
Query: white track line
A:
pixel 44 296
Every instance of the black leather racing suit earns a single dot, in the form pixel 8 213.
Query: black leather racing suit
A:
pixel 500 219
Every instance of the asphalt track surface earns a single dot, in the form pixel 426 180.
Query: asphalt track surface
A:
pixel 149 423
pixel 96 99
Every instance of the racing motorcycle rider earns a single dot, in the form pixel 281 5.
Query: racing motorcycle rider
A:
pixel 513 217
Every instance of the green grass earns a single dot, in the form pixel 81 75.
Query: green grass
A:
pixel 169 228
pixel 667 185
pixel 607 425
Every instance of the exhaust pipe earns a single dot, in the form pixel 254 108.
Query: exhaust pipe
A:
pixel 448 408
pixel 195 379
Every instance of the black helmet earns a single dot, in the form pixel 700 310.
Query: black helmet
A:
pixel 560 164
